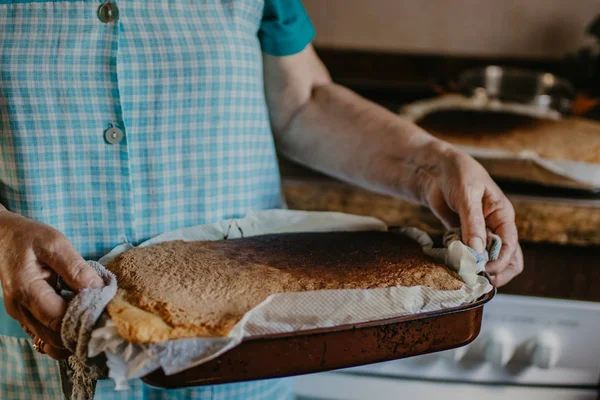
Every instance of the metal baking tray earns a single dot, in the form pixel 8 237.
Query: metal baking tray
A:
pixel 318 350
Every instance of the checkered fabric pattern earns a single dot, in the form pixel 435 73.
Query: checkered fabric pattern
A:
pixel 28 375
pixel 182 79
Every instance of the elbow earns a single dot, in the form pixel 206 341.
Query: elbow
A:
pixel 297 107
pixel 294 87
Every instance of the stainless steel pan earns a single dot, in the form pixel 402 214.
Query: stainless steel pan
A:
pixel 512 85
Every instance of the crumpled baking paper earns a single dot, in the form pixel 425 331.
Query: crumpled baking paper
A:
pixel 282 312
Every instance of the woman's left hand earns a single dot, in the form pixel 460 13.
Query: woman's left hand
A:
pixel 460 192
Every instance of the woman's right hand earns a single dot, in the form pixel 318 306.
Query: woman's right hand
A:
pixel 32 256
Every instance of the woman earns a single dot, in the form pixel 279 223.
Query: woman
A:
pixel 122 120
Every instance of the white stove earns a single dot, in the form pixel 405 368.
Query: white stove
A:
pixel 528 348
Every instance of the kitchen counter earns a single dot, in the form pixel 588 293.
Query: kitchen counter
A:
pixel 538 220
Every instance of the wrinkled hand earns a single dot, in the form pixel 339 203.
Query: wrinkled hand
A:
pixel 460 192
pixel 32 256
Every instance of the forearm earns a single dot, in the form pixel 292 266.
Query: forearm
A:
pixel 343 135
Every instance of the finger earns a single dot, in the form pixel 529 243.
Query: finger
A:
pixel 38 330
pixel 501 220
pixel 27 330
pixel 62 257
pixel 439 207
pixel 45 304
pixel 472 222
pixel 57 354
pixel 54 352
pixel 507 252
pixel 514 268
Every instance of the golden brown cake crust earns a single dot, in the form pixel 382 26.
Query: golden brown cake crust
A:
pixel 191 289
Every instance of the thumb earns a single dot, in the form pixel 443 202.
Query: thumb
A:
pixel 70 266
pixel 473 225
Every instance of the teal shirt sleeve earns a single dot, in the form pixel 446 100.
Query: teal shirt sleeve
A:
pixel 285 28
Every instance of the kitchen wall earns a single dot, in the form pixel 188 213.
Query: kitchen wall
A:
pixel 521 28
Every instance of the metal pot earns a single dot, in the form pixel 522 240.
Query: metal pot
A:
pixel 512 85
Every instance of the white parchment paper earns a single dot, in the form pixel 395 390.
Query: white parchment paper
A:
pixel 580 172
pixel 283 312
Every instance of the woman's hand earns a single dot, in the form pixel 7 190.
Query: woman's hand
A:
pixel 460 192
pixel 32 255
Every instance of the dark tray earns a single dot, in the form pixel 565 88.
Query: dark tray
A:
pixel 345 346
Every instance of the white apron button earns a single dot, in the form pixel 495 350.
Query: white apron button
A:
pixel 108 12
pixel 113 135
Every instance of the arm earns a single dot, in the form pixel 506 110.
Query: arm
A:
pixel 320 124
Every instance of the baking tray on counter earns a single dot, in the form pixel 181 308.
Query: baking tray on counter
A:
pixel 297 353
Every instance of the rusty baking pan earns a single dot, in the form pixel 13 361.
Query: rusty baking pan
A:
pixel 318 350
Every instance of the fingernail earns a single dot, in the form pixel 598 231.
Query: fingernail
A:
pixel 476 244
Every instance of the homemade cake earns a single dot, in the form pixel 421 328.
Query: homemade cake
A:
pixel 197 289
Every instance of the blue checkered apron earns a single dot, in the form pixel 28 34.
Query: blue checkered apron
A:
pixel 182 80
